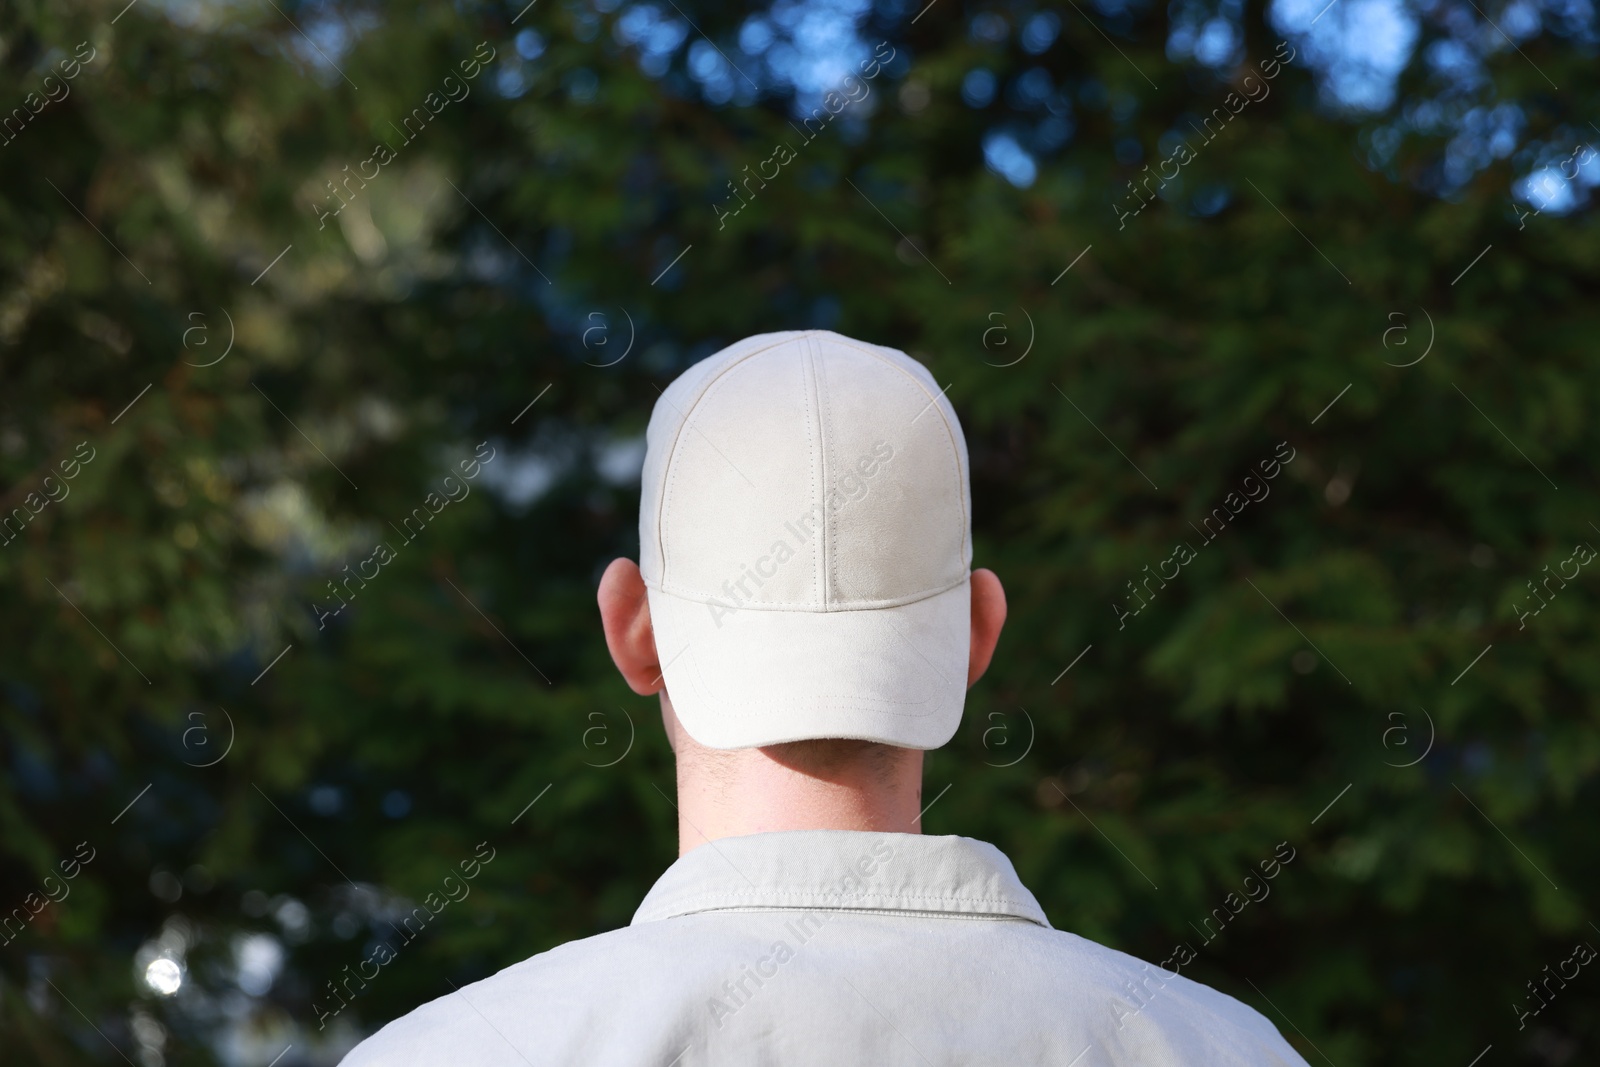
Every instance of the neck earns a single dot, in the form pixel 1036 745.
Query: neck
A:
pixel 806 785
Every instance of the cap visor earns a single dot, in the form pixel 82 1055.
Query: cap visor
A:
pixel 741 678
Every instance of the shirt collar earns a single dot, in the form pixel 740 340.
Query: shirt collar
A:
pixel 843 869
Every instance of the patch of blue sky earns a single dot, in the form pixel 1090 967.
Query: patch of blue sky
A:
pixel 1357 48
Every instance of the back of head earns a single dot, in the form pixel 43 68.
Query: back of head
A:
pixel 805 539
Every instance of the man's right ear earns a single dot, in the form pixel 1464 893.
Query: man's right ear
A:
pixel 625 615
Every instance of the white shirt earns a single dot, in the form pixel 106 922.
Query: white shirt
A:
pixel 834 947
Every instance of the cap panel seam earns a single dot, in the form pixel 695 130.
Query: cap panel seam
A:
pixel 819 473
pixel 829 464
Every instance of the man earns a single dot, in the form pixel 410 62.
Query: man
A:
pixel 805 608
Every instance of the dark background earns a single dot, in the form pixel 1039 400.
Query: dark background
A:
pixel 1357 265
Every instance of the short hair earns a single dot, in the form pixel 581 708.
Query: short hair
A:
pixel 827 757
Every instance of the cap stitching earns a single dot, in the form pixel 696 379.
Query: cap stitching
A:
pixel 830 516
pixel 920 913
pixel 882 903
pixel 814 448
pixel 694 597
pixel 882 894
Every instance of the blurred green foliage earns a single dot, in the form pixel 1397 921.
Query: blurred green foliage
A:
pixel 518 245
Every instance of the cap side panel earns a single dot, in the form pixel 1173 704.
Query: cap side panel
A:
pixel 958 443
pixel 896 503
pixel 742 526
pixel 680 398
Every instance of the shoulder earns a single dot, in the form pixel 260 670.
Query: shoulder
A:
pixel 467 1026
pixel 1156 1013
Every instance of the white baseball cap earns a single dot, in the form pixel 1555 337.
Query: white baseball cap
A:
pixel 805 537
